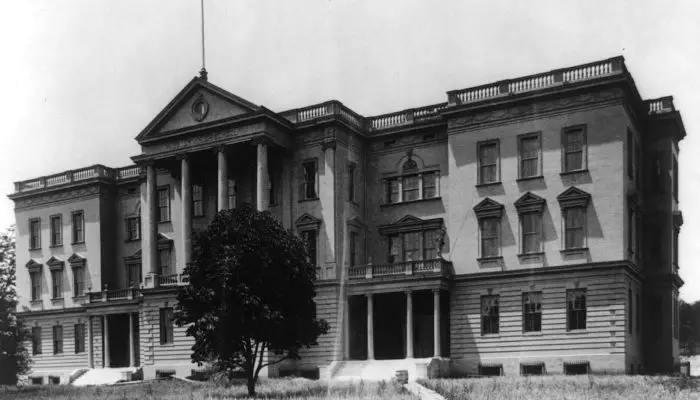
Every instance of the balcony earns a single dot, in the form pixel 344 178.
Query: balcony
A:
pixel 81 175
pixel 113 295
pixel 436 266
pixel 165 281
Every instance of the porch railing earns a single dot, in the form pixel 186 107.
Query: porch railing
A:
pixel 112 295
pixel 436 266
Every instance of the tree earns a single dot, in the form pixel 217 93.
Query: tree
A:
pixel 14 360
pixel 251 293
pixel 690 326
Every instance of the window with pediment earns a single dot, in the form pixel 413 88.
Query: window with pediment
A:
pixel 488 214
pixel 77 264
pixel 35 269
pixel 573 203
pixel 56 267
pixel 413 239
pixel 412 183
pixel 308 227
pixel 530 208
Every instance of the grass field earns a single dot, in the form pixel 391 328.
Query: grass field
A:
pixel 567 387
pixel 178 390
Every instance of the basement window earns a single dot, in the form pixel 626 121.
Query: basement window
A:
pixel 532 369
pixel 54 380
pixel 37 381
pixel 491 370
pixel 579 368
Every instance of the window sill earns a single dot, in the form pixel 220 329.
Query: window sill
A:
pixel 576 331
pixel 525 255
pixel 199 216
pixel 574 251
pixel 575 172
pixel 530 178
pixel 309 199
pixel 483 185
pixel 164 221
pixel 35 302
pixel 491 335
pixel 80 242
pixel 489 261
pixel 55 246
pixel 57 300
pixel 79 298
pixel 35 248
pixel 409 202
pixel 132 240
pixel 533 333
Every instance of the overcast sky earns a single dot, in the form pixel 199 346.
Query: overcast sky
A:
pixel 80 79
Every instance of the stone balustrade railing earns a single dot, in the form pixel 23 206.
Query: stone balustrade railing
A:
pixel 405 117
pixel 438 265
pixel 538 81
pixel 78 175
pixel 660 105
pixel 113 295
pixel 331 108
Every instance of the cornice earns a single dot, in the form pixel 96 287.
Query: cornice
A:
pixel 558 269
pixel 40 198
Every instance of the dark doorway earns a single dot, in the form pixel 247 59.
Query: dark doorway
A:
pixel 357 314
pixel 423 324
pixel 118 325
pixel 389 326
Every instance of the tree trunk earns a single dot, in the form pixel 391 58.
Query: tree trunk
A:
pixel 251 384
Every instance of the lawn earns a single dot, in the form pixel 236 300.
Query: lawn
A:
pixel 176 390
pixel 567 387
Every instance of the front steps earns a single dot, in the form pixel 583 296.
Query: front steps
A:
pixel 105 376
pixel 378 370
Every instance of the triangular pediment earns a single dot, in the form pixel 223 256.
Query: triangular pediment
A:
pixel 54 261
pixel 488 208
pixel 573 197
pixel 408 219
pixel 32 263
pixel 134 257
pixel 529 202
pixel 76 260
pixel 307 219
pixel 411 223
pixel 199 102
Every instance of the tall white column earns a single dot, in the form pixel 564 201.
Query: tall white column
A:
pixel 327 195
pixel 91 359
pixel 370 327
pixel 409 324
pixel 222 180
pixel 149 224
pixel 132 355
pixel 346 329
pixel 436 322
pixel 186 207
pixel 262 191
pixel 105 334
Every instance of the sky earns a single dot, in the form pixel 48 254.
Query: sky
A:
pixel 80 79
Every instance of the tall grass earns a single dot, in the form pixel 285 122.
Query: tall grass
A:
pixel 288 389
pixel 567 387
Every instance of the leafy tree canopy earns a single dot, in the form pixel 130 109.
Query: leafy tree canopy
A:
pixel 14 360
pixel 251 292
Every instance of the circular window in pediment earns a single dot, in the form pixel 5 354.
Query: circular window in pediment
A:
pixel 200 108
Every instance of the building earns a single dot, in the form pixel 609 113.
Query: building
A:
pixel 525 226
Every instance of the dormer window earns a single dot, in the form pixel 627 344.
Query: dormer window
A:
pixel 412 184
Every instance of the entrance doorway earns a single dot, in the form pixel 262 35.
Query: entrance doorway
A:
pixel 118 343
pixel 358 327
pixel 389 326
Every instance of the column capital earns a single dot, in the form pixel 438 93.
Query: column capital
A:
pixel 329 144
pixel 369 295
pixel 182 156
pixel 219 149
pixel 264 140
pixel 408 292
pixel 436 290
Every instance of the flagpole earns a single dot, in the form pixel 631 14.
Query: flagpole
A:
pixel 203 71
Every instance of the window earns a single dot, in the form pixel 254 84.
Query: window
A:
pixel 394 249
pixel 573 149
pixel 675 179
pixel 79 335
pixel 166 325
pixel 392 191
pixel 78 281
pixel 58 339
pixel 351 182
pixel 631 230
pixel 675 248
pixel 309 189
pixel 574 218
pixel 164 261
pixel 532 312
pixel 532 232
pixel 232 191
pixel 353 248
pixel 133 228
pixel 163 204
pixel 532 369
pixel 575 309
pixel 429 245
pixel 630 327
pixel 309 237
pixel 489 315
pixel 579 368
pixel 430 185
pixel 78 227
pixel 36 340
pixel 56 230
pixel 34 233
pixel 133 275
pixel 411 246
pixel 491 370
pixel 57 284
pixel 490 237
pixel 488 162
pixel 39 380
pixel 35 277
pixel 529 152
pixel 630 154
pixel 410 188
pixel 197 200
